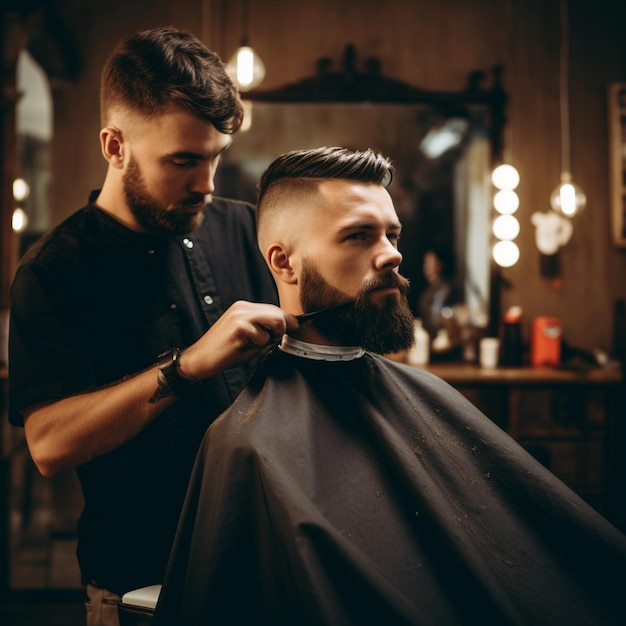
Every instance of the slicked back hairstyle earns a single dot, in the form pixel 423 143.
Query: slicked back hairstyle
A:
pixel 365 166
pixel 162 66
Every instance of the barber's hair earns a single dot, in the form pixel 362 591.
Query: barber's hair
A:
pixel 366 166
pixel 155 68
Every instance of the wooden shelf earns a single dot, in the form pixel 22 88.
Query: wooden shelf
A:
pixel 468 374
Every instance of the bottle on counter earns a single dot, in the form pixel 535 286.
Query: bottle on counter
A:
pixel 419 353
pixel 512 342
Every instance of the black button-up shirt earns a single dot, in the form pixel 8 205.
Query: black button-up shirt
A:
pixel 93 302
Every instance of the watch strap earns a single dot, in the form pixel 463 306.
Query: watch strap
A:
pixel 170 382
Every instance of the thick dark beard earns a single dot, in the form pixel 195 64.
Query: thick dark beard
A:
pixel 382 329
pixel 150 213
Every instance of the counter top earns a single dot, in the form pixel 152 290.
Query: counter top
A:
pixel 472 374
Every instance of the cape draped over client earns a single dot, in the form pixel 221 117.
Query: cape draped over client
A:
pixel 342 488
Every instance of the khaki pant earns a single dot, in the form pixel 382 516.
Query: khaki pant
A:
pixel 101 607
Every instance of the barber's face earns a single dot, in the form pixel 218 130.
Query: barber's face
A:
pixel 152 213
pixel 169 172
pixel 353 255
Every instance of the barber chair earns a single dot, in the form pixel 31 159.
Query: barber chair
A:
pixel 136 608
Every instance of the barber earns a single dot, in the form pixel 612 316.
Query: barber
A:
pixel 135 322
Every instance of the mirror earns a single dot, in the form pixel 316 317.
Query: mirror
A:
pixel 443 146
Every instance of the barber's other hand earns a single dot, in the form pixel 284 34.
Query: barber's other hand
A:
pixel 243 330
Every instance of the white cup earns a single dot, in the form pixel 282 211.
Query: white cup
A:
pixel 489 352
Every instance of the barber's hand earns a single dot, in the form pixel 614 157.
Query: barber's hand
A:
pixel 240 333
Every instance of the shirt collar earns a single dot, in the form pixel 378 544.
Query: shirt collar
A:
pixel 317 352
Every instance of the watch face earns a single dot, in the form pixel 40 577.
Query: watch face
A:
pixel 167 357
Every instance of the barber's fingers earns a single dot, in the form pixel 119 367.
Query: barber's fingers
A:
pixel 242 331
pixel 260 325
pixel 260 336
pixel 272 328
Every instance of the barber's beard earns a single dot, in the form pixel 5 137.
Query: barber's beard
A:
pixel 383 328
pixel 153 216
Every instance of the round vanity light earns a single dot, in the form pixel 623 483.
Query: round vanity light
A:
pixel 506 201
pixel 506 253
pixel 505 176
pixel 506 227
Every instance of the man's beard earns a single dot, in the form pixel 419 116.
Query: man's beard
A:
pixel 151 214
pixel 381 328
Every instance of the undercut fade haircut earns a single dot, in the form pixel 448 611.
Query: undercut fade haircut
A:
pixel 162 66
pixel 367 166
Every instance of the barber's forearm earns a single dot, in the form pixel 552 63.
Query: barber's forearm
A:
pixel 67 433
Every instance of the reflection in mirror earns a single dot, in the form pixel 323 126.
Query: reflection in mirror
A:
pixel 34 135
pixel 441 187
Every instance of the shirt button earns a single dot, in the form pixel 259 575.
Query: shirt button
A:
pixel 150 251
pixel 188 243
pixel 173 305
pixel 208 299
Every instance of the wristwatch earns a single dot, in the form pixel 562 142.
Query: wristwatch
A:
pixel 170 378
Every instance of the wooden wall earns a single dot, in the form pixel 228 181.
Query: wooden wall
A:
pixel 429 43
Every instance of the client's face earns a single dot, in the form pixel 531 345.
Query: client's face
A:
pixel 351 255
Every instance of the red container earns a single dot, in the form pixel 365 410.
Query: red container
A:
pixel 545 341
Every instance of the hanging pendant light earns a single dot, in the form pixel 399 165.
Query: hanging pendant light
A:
pixel 568 198
pixel 245 68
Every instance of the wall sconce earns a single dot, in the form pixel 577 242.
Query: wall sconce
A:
pixel 567 199
pixel 506 227
pixel 245 68
pixel 552 231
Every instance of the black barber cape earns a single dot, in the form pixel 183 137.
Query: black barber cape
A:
pixel 368 492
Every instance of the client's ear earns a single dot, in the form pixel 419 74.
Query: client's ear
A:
pixel 112 146
pixel 279 262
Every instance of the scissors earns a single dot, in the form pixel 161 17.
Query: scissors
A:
pixel 305 317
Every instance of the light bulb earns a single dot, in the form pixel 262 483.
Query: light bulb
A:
pixel 245 68
pixel 568 198
pixel 21 190
pixel 506 253
pixel 506 201
pixel 19 220
pixel 505 176
pixel 506 227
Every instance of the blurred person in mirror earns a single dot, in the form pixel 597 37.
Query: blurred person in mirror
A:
pixel 136 321
pixel 441 293
pixel 344 488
